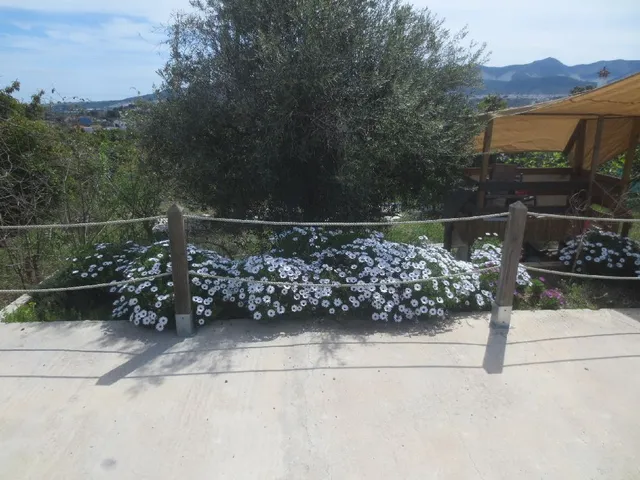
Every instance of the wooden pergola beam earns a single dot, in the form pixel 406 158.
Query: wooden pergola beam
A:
pixel 577 140
pixel 486 155
pixel 595 157
pixel 574 137
pixel 580 150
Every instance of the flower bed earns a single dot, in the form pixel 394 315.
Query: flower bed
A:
pixel 598 252
pixel 309 255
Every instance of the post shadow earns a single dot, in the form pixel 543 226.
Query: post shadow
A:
pixel 493 362
pixel 136 361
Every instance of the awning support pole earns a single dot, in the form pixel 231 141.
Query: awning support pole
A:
pixel 628 164
pixel 484 170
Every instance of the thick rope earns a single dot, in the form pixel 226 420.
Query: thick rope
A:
pixel 578 275
pixel 592 219
pixel 86 287
pixel 343 285
pixel 343 224
pixel 77 225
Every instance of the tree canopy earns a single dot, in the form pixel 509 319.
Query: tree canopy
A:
pixel 313 109
pixel 579 89
pixel 491 103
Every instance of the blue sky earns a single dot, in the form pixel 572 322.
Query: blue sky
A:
pixel 111 49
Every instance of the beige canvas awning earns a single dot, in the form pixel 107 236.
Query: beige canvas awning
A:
pixel 554 126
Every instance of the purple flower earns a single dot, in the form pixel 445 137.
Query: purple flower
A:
pixel 554 294
pixel 541 279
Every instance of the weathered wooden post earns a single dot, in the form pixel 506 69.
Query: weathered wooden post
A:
pixel 180 271
pixel 511 249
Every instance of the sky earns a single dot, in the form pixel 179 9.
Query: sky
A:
pixel 112 49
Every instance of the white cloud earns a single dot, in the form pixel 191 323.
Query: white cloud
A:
pixel 158 11
pixel 104 61
pixel 574 31
pixel 96 62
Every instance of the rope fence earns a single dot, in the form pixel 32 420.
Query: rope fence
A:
pixel 79 225
pixel 313 224
pixel 346 285
pixel 183 276
pixel 576 217
pixel 578 275
pixel 343 224
pixel 86 287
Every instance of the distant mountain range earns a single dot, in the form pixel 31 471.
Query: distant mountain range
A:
pixel 551 77
pixel 102 105
pixel 520 84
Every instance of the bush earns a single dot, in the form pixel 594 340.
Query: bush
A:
pixel 328 257
pixel 602 253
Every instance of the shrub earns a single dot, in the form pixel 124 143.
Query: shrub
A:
pixel 330 257
pixel 24 314
pixel 602 253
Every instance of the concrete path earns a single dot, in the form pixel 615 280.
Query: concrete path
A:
pixel 556 399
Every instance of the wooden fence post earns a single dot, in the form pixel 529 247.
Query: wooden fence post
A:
pixel 511 250
pixel 180 272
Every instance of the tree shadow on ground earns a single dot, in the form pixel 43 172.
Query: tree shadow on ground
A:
pixel 145 358
pixel 214 347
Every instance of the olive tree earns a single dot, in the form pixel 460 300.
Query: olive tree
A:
pixel 313 109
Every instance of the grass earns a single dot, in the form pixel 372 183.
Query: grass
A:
pixel 8 279
pixel 73 306
pixel 29 312
pixel 411 233
pixel 50 248
pixel 596 294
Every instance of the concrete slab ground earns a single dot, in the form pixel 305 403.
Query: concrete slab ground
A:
pixel 556 398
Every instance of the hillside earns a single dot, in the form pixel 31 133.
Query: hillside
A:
pixel 102 105
pixel 520 84
pixel 550 77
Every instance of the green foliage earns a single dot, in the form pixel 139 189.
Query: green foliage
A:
pixel 306 242
pixel 537 287
pixel 9 106
pixel 52 174
pixel 534 159
pixel 581 89
pixel 313 109
pixel 539 295
pixel 73 306
pixel 491 103
pixel 595 294
pixel 30 184
pixel 24 314
pixel 412 233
